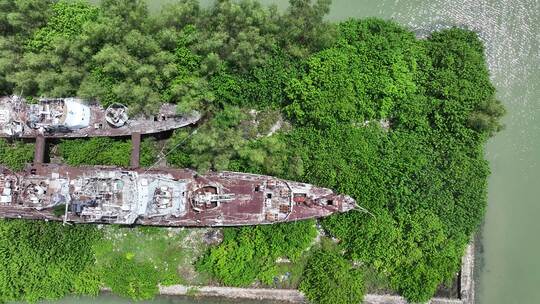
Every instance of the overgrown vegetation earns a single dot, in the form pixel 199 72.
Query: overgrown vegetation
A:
pixel 330 278
pixel 361 106
pixel 104 151
pixel 248 254
pixel 132 261
pixel 399 124
pixel 130 278
pixel 41 260
pixel 15 155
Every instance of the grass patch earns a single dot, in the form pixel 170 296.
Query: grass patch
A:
pixel 291 272
pixel 192 291
pixel 170 251
pixel 376 282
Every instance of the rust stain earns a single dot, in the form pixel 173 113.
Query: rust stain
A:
pixel 162 197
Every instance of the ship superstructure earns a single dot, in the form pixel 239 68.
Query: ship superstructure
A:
pixel 165 197
pixel 74 117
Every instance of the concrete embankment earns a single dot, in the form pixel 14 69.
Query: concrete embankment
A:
pixel 288 295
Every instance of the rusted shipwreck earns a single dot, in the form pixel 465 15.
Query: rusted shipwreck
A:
pixel 164 197
pixel 74 117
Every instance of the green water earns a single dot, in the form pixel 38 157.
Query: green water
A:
pixel 509 258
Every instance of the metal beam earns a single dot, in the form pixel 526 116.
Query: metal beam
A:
pixel 135 149
pixel 39 153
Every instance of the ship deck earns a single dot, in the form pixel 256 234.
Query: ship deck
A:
pixel 247 207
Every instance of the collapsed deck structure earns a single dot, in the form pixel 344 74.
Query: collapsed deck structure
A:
pixel 164 197
pixel 74 117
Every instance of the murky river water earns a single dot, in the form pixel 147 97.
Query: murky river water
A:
pixel 509 261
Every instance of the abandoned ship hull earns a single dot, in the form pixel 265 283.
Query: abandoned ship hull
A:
pixel 140 126
pixel 166 197
pixel 192 220
pixel 73 118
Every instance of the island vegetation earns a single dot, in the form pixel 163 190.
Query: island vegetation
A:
pixel 360 106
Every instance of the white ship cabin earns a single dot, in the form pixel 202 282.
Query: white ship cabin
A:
pixel 121 197
pixel 160 195
pixel 67 114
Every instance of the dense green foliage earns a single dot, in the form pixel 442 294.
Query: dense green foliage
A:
pixel 66 22
pixel 15 155
pixel 234 140
pixel 132 261
pixel 424 181
pixel 362 107
pixel 18 21
pixel 366 75
pixel 399 124
pixel 117 52
pixel 249 253
pixel 104 151
pixel 43 260
pixel 132 279
pixel 329 278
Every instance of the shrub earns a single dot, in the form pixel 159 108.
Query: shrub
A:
pixel 15 155
pixel 45 260
pixel 329 278
pixel 249 253
pixel 132 279
pixel 104 151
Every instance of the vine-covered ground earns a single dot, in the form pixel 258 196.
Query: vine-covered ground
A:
pixel 361 106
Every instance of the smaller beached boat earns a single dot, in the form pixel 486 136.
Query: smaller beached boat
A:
pixel 74 117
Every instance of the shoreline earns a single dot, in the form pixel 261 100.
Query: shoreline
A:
pixel 466 289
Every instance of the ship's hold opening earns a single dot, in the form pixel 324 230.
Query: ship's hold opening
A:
pixel 77 207
pixel 284 208
pixel 209 189
pixel 160 118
